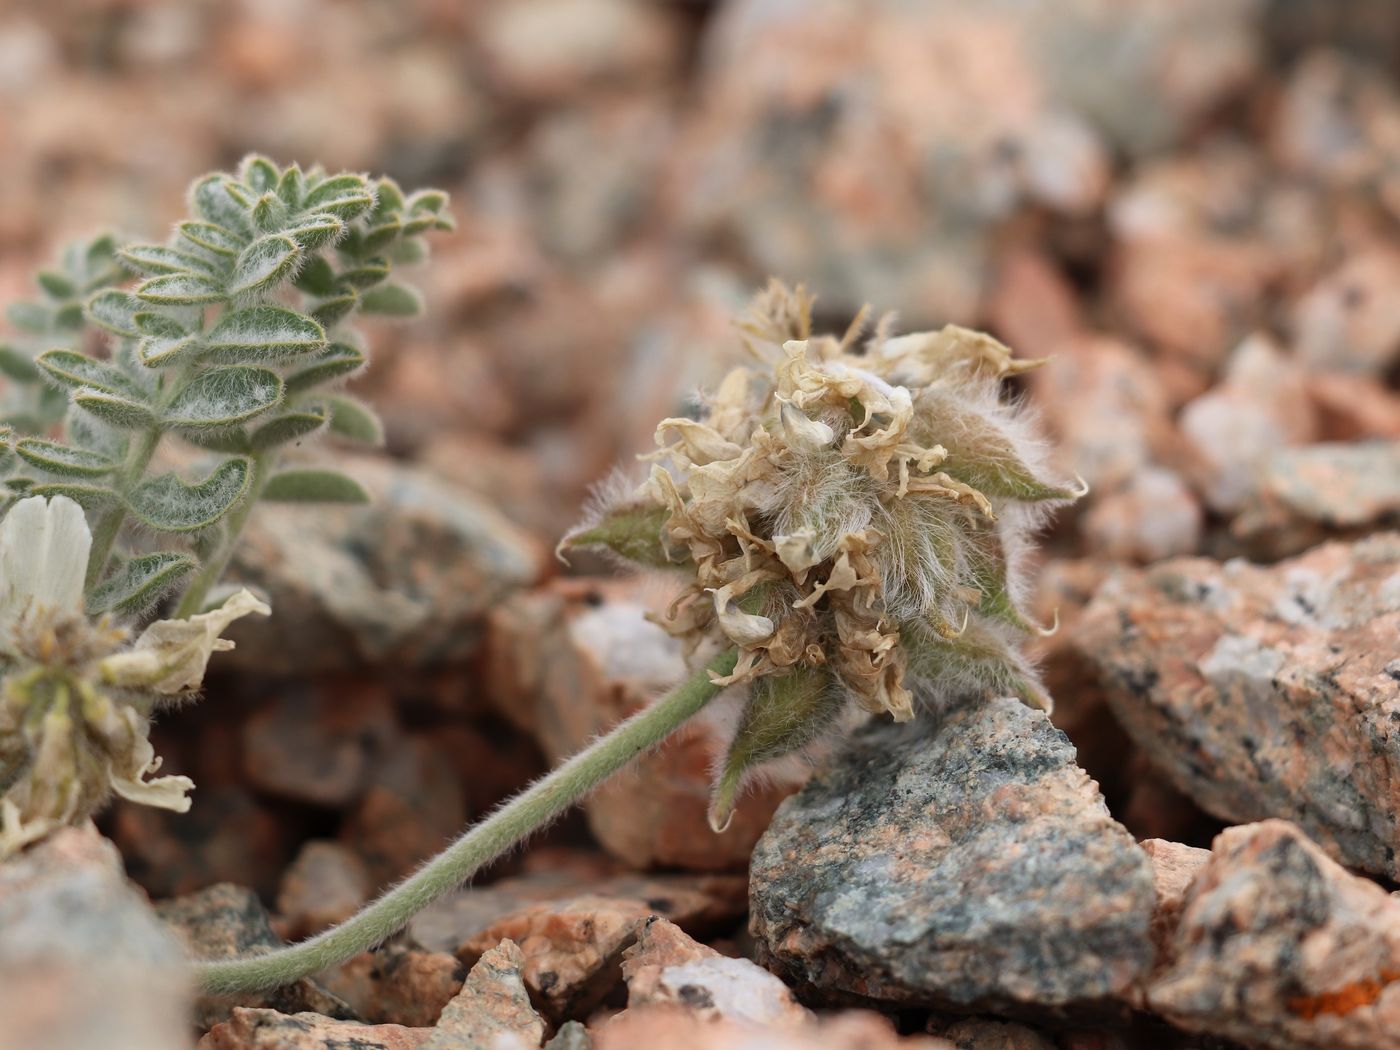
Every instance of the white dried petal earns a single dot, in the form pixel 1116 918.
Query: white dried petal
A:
pixel 802 433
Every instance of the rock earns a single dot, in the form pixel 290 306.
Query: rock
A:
pixel 259 1029
pixel 326 884
pixel 1304 495
pixel 83 960
pixel 227 835
pixel 994 1035
pixel 667 967
pixel 315 742
pixel 1279 947
pixel 571 1036
pixel 492 1011
pixel 676 1029
pixel 407 579
pixel 1152 515
pixel 1260 406
pixel 968 865
pixel 1174 866
pixel 699 904
pixel 1350 321
pixel 572 660
pixel 1354 407
pixel 397 985
pixel 412 806
pixel 224 921
pixel 1266 691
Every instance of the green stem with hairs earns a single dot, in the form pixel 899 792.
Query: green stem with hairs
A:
pixel 138 458
pixel 192 601
pixel 513 822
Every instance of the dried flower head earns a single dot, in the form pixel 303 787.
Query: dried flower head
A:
pixel 75 694
pixel 854 519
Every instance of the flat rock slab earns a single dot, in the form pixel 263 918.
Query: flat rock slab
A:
pixel 1279 947
pixel 968 865
pixel 1267 691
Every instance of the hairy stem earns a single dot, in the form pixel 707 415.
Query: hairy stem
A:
pixel 192 601
pixel 104 536
pixel 529 811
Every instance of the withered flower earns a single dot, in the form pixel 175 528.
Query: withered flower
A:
pixel 853 518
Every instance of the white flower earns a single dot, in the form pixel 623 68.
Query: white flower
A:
pixel 44 545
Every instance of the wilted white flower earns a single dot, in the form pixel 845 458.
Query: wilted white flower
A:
pixel 853 519
pixel 76 699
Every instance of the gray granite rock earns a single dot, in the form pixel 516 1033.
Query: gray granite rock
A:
pixel 407 579
pixel 968 865
pixel 1266 691
pixel 1280 948
pixel 84 962
pixel 224 921
pixel 493 1008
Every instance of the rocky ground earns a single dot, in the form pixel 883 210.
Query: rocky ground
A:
pixel 1193 206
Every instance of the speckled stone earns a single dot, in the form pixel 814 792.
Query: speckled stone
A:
pixel 224 921
pixel 261 1029
pixel 969 865
pixel 84 963
pixel 1267 691
pixel 492 1011
pixel 1280 948
pixel 407 579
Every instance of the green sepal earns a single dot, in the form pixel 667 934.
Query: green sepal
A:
pixel 167 503
pixel 634 533
pixel 351 418
pixel 55 458
pixel 314 486
pixel 287 428
pixel 337 361
pixel 784 713
pixel 392 300
pixel 225 396
pixel 140 583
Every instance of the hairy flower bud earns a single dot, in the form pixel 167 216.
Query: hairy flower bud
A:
pixel 855 518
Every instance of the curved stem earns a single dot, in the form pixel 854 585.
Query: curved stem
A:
pixel 192 601
pixel 529 811
pixel 110 524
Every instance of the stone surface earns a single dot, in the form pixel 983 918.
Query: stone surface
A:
pixel 572 660
pixel 1174 867
pixel 666 967
pixel 1266 691
pixel 677 1029
pixel 326 884
pixel 397 985
pixel 224 921
pixel 84 962
pixel 969 864
pixel 993 1035
pixel 1281 948
pixel 408 578
pixel 1304 495
pixel 492 1011
pixel 262 1029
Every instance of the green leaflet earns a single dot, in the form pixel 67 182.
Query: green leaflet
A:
pixel 353 419
pixel 140 583
pixel 314 486
pixel 264 333
pixel 61 459
pixel 167 503
pixel 225 396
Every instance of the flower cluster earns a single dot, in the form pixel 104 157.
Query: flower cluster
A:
pixel 853 520
pixel 77 694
